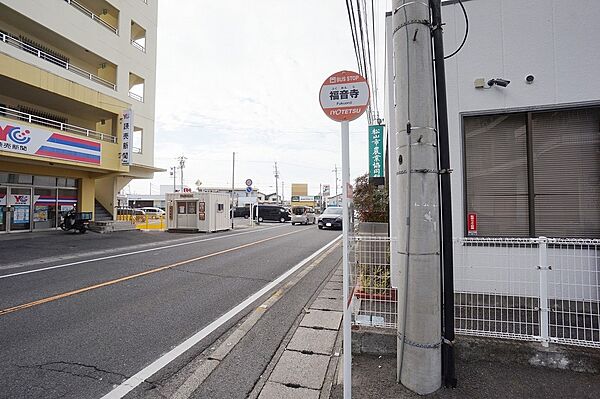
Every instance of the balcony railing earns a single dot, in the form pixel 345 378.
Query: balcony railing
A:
pixel 13 41
pixel 136 97
pixel 138 46
pixel 93 16
pixel 65 127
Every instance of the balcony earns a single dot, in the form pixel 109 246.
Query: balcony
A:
pixel 136 87
pixel 55 58
pixel 62 126
pixel 138 37
pixel 109 15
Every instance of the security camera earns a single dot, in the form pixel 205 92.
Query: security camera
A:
pixel 529 78
pixel 499 82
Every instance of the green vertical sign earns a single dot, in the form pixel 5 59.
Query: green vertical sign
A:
pixel 376 151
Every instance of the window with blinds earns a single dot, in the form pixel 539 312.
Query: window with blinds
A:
pixel 534 174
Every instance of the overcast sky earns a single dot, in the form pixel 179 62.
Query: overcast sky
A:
pixel 244 76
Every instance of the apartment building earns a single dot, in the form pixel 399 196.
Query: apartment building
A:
pixel 77 98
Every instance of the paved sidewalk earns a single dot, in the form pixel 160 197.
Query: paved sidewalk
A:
pixel 307 366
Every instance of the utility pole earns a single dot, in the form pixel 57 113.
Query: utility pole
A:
pixel 181 166
pixel 336 184
pixel 282 193
pixel 174 174
pixel 419 293
pixel 232 188
pixel 276 183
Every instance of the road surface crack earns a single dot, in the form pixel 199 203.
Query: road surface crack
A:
pixel 84 371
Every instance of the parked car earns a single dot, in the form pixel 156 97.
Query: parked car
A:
pixel 303 215
pixel 153 211
pixel 331 218
pixel 272 212
pixel 241 212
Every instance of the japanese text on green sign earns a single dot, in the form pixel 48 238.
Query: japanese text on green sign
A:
pixel 376 151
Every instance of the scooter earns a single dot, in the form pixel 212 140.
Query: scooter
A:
pixel 72 220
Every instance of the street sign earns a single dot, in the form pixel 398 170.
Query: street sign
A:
pixel 326 190
pixel 248 189
pixel 344 96
pixel 248 182
pixel 376 151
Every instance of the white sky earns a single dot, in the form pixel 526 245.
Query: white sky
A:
pixel 244 76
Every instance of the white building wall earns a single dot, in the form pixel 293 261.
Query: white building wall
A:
pixel 554 40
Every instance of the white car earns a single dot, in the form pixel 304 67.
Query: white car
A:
pixel 152 211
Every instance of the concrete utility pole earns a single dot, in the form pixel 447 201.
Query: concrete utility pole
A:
pixel 276 184
pixel 336 184
pixel 419 297
pixel 282 193
pixel 181 166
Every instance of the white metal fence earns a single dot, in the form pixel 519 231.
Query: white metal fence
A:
pixel 534 289
pixel 373 298
pixel 538 289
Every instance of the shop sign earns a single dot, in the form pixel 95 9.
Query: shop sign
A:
pixel 21 214
pixel 326 190
pixel 472 224
pixel 127 137
pixel 26 140
pixel 376 151
pixel 302 198
pixel 19 199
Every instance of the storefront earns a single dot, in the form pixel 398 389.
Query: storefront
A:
pixel 33 203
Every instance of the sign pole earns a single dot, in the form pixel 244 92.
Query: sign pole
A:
pixel 346 268
pixel 344 96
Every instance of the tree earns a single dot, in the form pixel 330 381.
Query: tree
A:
pixel 370 201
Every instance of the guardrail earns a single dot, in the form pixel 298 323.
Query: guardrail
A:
pixel 65 127
pixel 93 16
pixel 13 41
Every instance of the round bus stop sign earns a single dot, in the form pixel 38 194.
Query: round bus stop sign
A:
pixel 344 96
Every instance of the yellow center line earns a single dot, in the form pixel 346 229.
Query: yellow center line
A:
pixel 132 276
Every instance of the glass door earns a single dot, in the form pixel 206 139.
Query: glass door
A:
pixel 19 200
pixel 3 197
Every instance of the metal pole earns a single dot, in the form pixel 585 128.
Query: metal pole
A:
pixel 419 326
pixel 276 184
pixel 232 187
pixel 347 341
pixel 446 196
pixel 336 185
pixel 544 308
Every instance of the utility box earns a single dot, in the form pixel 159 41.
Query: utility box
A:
pixel 199 212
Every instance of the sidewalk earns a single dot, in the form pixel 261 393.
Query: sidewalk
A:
pixel 307 366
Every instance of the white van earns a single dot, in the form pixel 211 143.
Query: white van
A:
pixel 303 215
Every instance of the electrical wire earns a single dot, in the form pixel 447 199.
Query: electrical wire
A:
pixel 466 31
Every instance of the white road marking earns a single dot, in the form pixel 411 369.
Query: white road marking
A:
pixel 141 251
pixel 147 372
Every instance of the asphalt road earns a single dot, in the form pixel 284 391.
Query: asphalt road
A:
pixel 82 328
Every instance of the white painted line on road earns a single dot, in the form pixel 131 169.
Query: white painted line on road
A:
pixel 141 251
pixel 141 376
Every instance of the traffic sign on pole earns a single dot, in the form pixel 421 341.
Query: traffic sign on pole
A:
pixel 248 182
pixel 248 189
pixel 344 96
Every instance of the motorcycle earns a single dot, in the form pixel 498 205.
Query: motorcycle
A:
pixel 78 221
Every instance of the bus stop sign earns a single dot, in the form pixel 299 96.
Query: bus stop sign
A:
pixel 344 96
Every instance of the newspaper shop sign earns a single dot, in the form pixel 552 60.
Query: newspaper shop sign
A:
pixel 376 151
pixel 344 96
pixel 127 141
pixel 27 140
